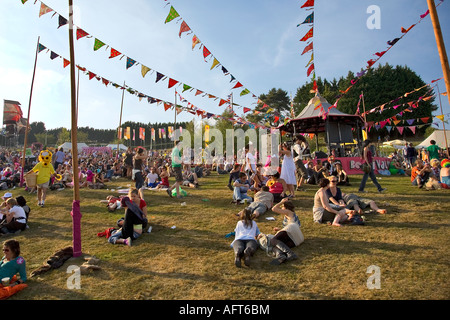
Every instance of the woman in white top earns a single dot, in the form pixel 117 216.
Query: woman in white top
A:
pixel 16 218
pixel 288 169
pixel 244 243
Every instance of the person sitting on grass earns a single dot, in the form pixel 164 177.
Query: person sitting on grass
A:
pixel 289 236
pixel 190 178
pixel 234 175
pixel 16 218
pixel 244 243
pixel 263 201
pixel 151 180
pixel 11 265
pixel 134 222
pixel 420 173
pixel 164 176
pixel 277 186
pixel 241 187
pixel 326 212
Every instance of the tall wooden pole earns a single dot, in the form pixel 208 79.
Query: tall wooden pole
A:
pixel 440 44
pixel 120 121
pixel 175 123
pixel 76 213
pixel 25 142
pixel 443 122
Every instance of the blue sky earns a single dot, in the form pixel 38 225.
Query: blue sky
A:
pixel 255 40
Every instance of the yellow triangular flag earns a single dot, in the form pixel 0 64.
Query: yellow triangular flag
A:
pixel 440 117
pixel 145 70
pixel 215 63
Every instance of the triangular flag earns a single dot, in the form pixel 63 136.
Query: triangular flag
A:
pixel 310 69
pixel 159 76
pixel 308 3
pixel 167 106
pixel 114 53
pixel 311 60
pixel 400 129
pixel 44 9
pixel 425 120
pixel 91 75
pixel 53 55
pixel 406 30
pixel 309 19
pixel 172 15
pixel 308 35
pixel 246 110
pixel 205 52
pixel 61 21
pixel 105 81
pixel 41 48
pixel 237 85
pixel 186 87
pixel 195 41
pixel 130 62
pixel 66 63
pixel 144 70
pixel 215 63
pixel 98 44
pixel 81 33
pixel 308 48
pixel 222 102
pixel 440 117
pixel 410 121
pixel 244 92
pixel 184 28
pixel 198 92
pixel 172 82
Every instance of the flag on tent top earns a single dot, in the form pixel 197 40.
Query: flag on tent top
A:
pixel 12 113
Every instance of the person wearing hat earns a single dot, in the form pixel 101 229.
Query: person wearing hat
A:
pixel 6 196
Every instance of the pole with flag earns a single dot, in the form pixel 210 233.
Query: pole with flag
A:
pixel 76 212
pixel 28 117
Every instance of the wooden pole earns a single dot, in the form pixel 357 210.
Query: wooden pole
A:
pixel 440 44
pixel 25 142
pixel 120 121
pixel 443 122
pixel 175 123
pixel 76 213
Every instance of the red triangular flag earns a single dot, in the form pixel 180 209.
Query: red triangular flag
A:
pixel 205 52
pixel 198 92
pixel 308 35
pixel 81 33
pixel 425 120
pixel 238 85
pixel 222 102
pixel 166 106
pixel 114 53
pixel 246 109
pixel 310 69
pixel 184 28
pixel 172 82
pixel 308 3
pixel 308 48
pixel 66 62
pixel 91 75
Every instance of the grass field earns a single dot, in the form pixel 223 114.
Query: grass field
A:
pixel 187 256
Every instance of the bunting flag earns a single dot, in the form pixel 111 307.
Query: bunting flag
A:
pixel 81 33
pixel 308 48
pixel 153 134
pixel 244 92
pixel 130 63
pixel 308 35
pixel 215 63
pixel 62 21
pixel 238 85
pixel 66 63
pixel 172 82
pixel 307 4
pixel 44 9
pixel 195 41
pixel 309 19
pixel 114 53
pixel 172 15
pixel 98 44
pixel 206 52
pixel 440 117
pixel 184 28
pixel 53 55
pixel 144 70
pixel 159 76
pixel 310 69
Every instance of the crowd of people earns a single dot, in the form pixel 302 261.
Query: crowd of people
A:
pixel 255 184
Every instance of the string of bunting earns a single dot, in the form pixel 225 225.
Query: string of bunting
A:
pixel 379 55
pixel 184 28
pixel 114 53
pixel 191 108
pixel 311 69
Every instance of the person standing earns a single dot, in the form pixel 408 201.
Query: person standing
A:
pixel 368 159
pixel 288 169
pixel 177 168
pixel 59 158
pixel 433 151
pixel 138 165
pixel 301 150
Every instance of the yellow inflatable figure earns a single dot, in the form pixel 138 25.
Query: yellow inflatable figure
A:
pixel 44 170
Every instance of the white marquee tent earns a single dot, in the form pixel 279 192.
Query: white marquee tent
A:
pixel 438 136
pixel 67 146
